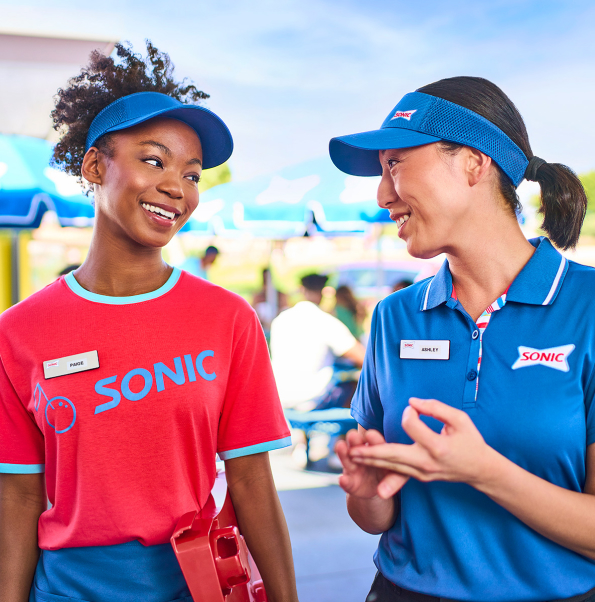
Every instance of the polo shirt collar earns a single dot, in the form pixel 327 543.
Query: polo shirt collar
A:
pixel 538 283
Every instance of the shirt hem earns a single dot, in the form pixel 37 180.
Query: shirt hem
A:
pixel 22 468
pixel 255 449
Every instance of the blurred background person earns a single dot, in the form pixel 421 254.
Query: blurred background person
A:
pixel 401 284
pixel 305 340
pixel 200 267
pixel 268 302
pixel 349 310
pixel 69 268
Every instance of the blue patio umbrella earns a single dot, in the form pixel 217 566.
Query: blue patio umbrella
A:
pixel 29 186
pixel 291 202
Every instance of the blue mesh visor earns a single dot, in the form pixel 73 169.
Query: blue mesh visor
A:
pixel 216 140
pixel 420 119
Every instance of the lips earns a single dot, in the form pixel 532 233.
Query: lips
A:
pixel 162 215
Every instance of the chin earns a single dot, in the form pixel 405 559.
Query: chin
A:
pixel 153 240
pixel 420 251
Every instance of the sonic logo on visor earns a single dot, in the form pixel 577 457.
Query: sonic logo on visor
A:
pixel 554 357
pixel 403 115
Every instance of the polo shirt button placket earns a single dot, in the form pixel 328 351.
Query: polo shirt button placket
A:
pixel 469 402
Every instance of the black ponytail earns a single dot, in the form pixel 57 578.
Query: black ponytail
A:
pixel 563 203
pixel 563 198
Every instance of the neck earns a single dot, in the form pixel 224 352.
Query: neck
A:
pixel 118 267
pixel 483 267
pixel 313 297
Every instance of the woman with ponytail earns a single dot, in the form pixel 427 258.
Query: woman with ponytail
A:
pixel 475 453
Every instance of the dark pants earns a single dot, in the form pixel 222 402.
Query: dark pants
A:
pixel 384 590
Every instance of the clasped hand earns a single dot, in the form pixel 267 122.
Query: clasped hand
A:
pixel 372 467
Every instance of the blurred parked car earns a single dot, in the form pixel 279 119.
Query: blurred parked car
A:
pixel 371 281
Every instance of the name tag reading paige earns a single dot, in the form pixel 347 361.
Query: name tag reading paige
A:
pixel 425 350
pixel 71 364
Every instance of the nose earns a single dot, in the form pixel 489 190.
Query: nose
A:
pixel 386 194
pixel 171 186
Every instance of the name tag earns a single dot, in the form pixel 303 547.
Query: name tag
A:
pixel 71 364
pixel 425 350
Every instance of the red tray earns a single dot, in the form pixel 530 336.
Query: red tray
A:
pixel 213 555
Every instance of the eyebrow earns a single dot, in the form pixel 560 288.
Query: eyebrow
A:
pixel 167 151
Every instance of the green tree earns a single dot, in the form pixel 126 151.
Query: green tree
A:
pixel 588 181
pixel 214 177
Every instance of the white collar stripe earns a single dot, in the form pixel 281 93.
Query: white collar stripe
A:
pixel 556 282
pixel 427 293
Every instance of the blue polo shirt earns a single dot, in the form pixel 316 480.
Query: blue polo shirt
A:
pixel 534 406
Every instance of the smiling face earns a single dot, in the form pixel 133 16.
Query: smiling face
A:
pixel 146 189
pixel 432 196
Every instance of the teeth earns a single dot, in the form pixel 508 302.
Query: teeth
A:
pixel 402 220
pixel 154 209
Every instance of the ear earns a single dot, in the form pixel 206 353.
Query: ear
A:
pixel 477 166
pixel 91 169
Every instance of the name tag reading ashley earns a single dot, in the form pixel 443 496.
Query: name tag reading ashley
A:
pixel 425 350
pixel 71 364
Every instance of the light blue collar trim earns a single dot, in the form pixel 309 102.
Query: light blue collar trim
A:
pixel 77 289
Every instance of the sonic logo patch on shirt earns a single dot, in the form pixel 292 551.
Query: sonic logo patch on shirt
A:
pixel 70 364
pixel 425 350
pixel 554 357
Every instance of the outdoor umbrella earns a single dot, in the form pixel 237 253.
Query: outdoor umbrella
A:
pixel 297 200
pixel 29 186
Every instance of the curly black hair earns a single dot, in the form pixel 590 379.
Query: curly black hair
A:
pixel 100 83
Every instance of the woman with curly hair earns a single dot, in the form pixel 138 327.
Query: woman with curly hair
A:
pixel 121 381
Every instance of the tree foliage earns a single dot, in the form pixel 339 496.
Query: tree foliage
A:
pixel 588 181
pixel 214 177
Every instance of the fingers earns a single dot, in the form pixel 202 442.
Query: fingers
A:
pixel 354 438
pixel 437 409
pixel 396 467
pixel 374 437
pixel 417 430
pixel 391 484
pixel 342 451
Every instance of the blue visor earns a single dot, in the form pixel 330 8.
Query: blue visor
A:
pixel 216 140
pixel 420 119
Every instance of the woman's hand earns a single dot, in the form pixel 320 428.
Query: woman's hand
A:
pixel 458 453
pixel 363 480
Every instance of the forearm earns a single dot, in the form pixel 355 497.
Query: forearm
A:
pixel 263 525
pixel 19 514
pixel 373 515
pixel 566 517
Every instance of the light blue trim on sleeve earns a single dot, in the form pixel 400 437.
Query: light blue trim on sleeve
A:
pixel 77 289
pixel 22 468
pixel 255 449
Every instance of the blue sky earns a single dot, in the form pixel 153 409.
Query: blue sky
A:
pixel 288 75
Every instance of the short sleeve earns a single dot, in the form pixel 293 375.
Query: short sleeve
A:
pixel 366 406
pixel 21 441
pixel 338 337
pixel 252 419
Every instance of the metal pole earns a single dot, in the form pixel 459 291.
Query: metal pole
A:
pixel 14 267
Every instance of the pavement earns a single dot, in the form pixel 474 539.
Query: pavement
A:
pixel 332 555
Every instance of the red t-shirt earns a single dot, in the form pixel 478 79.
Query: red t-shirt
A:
pixel 130 446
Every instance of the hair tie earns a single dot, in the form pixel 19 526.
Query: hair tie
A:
pixel 531 172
